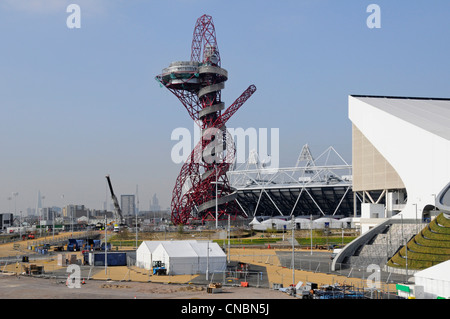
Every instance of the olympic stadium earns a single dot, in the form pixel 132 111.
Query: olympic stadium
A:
pixel 397 187
pixel 313 186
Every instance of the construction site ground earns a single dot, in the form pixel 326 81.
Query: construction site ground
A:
pixel 133 282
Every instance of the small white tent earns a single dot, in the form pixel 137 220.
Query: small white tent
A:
pixel 435 281
pixel 179 257
pixel 145 251
pixel 272 223
pixel 144 254
pixel 302 223
pixel 210 257
pixel 349 222
pixel 325 222
pixel 255 221
pixel 183 256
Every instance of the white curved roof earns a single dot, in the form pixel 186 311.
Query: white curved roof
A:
pixel 431 114
pixel 413 136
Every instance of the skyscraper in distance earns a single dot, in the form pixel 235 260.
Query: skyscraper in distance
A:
pixel 128 205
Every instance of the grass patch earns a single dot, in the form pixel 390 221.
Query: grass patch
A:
pixel 429 247
pixel 334 240
pixel 248 241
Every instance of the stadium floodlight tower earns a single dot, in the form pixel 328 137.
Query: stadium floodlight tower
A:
pixel 202 190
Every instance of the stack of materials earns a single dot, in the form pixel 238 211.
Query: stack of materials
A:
pixel 214 288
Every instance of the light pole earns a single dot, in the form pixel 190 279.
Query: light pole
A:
pixel 310 226
pixel 20 223
pixel 53 222
pixel 14 194
pixel 229 236
pixel 137 213
pixel 106 250
pixel 405 241
pixel 293 251
pixel 207 260
pixel 40 226
pixel 136 228
pixel 435 204
pixel 9 204
pixel 417 223
pixel 217 222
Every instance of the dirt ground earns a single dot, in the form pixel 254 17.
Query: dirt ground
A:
pixel 282 275
pixel 130 282
pixel 9 249
pixel 23 287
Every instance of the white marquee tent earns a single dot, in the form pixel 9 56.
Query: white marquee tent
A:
pixel 145 251
pixel 349 222
pixel 213 259
pixel 182 257
pixel 301 223
pixel 272 223
pixel 435 280
pixel 324 222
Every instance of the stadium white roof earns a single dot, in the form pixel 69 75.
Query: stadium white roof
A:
pixel 412 135
pixel 431 114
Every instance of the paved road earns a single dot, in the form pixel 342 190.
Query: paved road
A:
pixel 320 261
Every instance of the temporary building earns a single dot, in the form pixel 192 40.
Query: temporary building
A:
pixel 272 223
pixel 182 257
pixel 145 251
pixel 302 223
pixel 144 254
pixel 211 257
pixel 326 222
pixel 349 222
pixel 435 281
pixel 254 222
pixel 190 257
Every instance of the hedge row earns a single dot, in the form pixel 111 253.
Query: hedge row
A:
pixel 429 247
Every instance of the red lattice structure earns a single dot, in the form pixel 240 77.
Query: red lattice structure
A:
pixel 202 190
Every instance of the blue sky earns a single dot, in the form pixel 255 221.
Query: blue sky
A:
pixel 81 103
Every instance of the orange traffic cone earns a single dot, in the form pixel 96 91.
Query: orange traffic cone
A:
pixel 84 282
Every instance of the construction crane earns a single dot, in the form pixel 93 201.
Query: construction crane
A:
pixel 117 211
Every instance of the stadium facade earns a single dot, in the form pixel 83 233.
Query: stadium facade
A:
pixel 316 187
pixel 401 148
pixel 401 153
pixel 400 163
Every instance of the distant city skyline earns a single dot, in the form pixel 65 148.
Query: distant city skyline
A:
pixel 39 208
pixel 80 101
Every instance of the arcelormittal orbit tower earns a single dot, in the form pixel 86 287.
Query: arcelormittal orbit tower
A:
pixel 202 190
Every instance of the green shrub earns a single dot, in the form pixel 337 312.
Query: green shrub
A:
pixel 429 247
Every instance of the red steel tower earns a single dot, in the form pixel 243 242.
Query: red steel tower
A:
pixel 202 190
